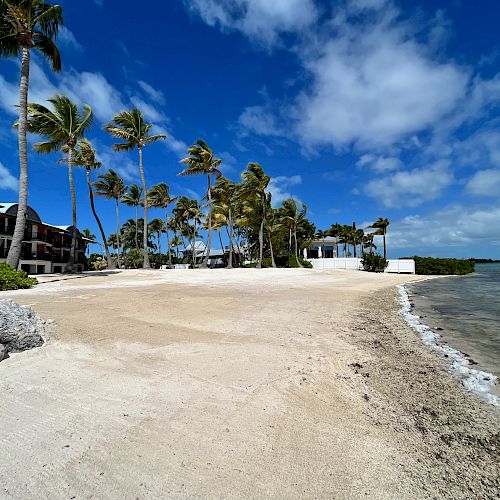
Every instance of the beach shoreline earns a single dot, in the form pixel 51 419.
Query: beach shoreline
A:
pixel 292 383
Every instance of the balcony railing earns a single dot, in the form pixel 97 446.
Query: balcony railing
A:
pixel 7 231
pixel 45 237
pixel 36 256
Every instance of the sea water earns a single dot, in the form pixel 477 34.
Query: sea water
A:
pixel 462 314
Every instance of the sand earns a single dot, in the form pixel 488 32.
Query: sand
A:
pixel 236 384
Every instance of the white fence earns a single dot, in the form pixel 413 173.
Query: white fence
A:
pixel 395 265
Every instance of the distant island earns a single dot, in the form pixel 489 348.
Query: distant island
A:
pixel 485 261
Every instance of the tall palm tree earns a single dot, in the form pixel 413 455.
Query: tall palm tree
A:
pixel 62 128
pixel 130 128
pixel 225 195
pixel 112 187
pixel 254 193
pixel 133 198
pixel 85 156
pixel 201 160
pixel 187 210
pixel 25 25
pixel 381 226
pixel 157 226
pixel 292 213
pixel 159 197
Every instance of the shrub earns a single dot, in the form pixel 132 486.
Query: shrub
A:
pixel 99 264
pixel 10 279
pixel 374 263
pixel 431 265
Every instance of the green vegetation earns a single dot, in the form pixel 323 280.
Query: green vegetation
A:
pixel 10 279
pixel 374 263
pixel 435 266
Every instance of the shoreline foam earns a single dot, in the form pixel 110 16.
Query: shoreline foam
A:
pixel 475 381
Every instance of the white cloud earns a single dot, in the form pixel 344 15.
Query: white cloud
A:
pixel 260 120
pixel 379 163
pixel 7 180
pixel 411 188
pixel 373 86
pixel 279 187
pixel 485 183
pixel 66 37
pixel 155 95
pixel 454 225
pixel 262 20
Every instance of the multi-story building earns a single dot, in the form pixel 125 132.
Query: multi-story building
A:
pixel 46 248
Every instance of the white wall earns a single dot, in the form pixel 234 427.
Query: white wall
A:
pixel 395 265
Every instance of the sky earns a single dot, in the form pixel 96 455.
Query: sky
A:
pixel 358 108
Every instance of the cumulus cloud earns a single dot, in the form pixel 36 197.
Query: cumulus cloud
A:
pixel 485 183
pixel 454 225
pixel 260 120
pixel 373 86
pixel 379 163
pixel 280 188
pixel 412 187
pixel 7 180
pixel 66 38
pixel 261 20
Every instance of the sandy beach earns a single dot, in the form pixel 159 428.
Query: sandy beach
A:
pixel 237 384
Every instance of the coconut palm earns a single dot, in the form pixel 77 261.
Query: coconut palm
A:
pixel 85 156
pixel 186 211
pixel 254 196
pixel 201 160
pixel 62 127
pixel 159 197
pixel 130 128
pixel 292 214
pixel 26 25
pixel 133 198
pixel 111 186
pixel 225 194
pixel 87 234
pixel 381 226
pixel 157 226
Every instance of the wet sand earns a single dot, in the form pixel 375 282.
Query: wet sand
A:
pixel 238 384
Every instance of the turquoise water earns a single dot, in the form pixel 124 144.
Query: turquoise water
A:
pixel 465 310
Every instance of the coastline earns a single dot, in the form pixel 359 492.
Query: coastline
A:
pixel 301 383
pixel 478 382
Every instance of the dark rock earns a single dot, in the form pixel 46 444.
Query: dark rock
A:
pixel 3 352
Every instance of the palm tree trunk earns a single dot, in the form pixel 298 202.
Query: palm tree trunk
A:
pixel 145 263
pixel 209 238
pixel 111 264
pixel 193 244
pixel 261 243
pixel 385 251
pixel 273 263
pixel 71 262
pixel 230 262
pixel 296 248
pixel 22 204
pixel 159 242
pixel 137 227
pixel 117 232
pixel 168 240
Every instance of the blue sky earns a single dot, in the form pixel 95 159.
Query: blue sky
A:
pixel 361 109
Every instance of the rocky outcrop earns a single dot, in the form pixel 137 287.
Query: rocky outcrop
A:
pixel 20 328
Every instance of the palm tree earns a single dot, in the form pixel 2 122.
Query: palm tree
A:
pixel 187 210
pixel 157 226
pixel 133 132
pixel 381 230
pixel 159 197
pixel 293 214
pixel 253 193
pixel 86 233
pixel 225 195
pixel 335 231
pixel 112 187
pixel 133 198
pixel 85 156
pixel 368 242
pixel 63 127
pixel 201 160
pixel 25 25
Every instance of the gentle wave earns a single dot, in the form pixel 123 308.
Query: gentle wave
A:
pixel 476 381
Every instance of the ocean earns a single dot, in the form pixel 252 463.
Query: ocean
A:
pixel 464 311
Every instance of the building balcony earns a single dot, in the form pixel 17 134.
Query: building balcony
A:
pixel 36 256
pixel 6 231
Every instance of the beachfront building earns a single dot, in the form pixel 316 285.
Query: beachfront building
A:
pixel 217 258
pixel 46 248
pixel 323 248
